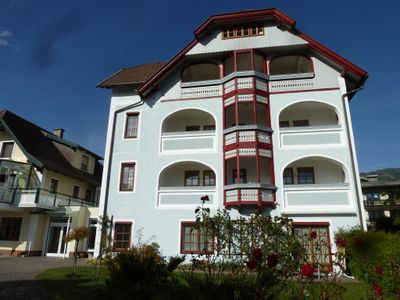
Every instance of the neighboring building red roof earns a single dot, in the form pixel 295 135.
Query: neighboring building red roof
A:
pixel 133 75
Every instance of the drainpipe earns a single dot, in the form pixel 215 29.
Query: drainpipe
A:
pixel 107 188
pixel 353 158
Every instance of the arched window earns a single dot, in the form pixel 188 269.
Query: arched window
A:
pixel 200 72
pixel 290 64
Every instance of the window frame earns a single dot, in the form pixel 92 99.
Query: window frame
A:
pixel 76 196
pixel 190 128
pixel 186 177
pixel 285 75
pixel 51 187
pixel 3 146
pixel 116 223
pixel 14 238
pixel 300 123
pixel 135 134
pixel 241 171
pixel 210 177
pixel 232 32
pixel 84 163
pixel 92 225
pixel 197 242
pixel 300 169
pixel 284 124
pixel 291 176
pixel 252 52
pixel 122 166
pixel 200 63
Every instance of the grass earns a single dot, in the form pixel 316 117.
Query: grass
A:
pixel 60 283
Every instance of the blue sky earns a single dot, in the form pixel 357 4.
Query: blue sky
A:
pixel 53 53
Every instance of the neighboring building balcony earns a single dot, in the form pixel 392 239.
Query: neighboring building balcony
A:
pixel 188 130
pixel 382 204
pixel 182 185
pixel 309 123
pixel 39 198
pixel 316 185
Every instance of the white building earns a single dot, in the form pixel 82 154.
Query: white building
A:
pixel 249 93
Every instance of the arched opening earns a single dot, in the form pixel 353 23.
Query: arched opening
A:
pixel 308 113
pixel 200 72
pixel 314 170
pixel 290 64
pixel 189 120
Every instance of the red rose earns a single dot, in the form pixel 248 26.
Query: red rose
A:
pixel 257 254
pixel 313 235
pixel 306 270
pixel 378 270
pixel 251 264
pixel 377 289
pixel 341 243
pixel 272 261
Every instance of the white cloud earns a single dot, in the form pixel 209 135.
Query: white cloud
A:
pixel 3 42
pixel 4 34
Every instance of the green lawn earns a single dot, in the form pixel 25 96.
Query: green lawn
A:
pixel 61 284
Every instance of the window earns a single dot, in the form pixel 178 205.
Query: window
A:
pixel 192 128
pixel 92 233
pixel 209 127
pixel 88 195
pixel 195 240
pixel 54 186
pixel 84 163
pixel 283 123
pixel 373 196
pixel 316 242
pixel 201 72
pixel 242 176
pixel 7 149
pixel 122 236
pixel 376 214
pixel 305 175
pixel 288 176
pixel 208 178
pixel 192 178
pixel 76 191
pixel 299 123
pixel 127 177
pixel 242 31
pixel 132 125
pixel 10 228
pixel 240 61
pixel 290 64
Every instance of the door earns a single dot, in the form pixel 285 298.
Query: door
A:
pixel 55 240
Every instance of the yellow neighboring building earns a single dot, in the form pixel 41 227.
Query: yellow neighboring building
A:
pixel 48 186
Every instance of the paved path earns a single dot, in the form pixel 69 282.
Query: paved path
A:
pixel 17 276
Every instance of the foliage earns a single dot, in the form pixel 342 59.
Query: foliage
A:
pixel 142 273
pixel 76 235
pixel 374 257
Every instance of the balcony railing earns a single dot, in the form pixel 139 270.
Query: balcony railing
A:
pixel 40 198
pixel 317 198
pixel 249 194
pixel 310 135
pixel 185 196
pixel 384 204
pixel 188 141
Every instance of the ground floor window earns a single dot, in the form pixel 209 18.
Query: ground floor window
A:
pixel 195 240
pixel 316 241
pixel 92 233
pixel 10 228
pixel 122 236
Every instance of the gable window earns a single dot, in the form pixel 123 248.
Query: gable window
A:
pixel 305 175
pixel 10 228
pixel 192 178
pixel 127 177
pixel 84 163
pixel 132 125
pixel 290 64
pixel 54 186
pixel 288 176
pixel 75 192
pixel 208 178
pixel 195 240
pixel 122 236
pixel 300 123
pixel 200 72
pixel 316 242
pixel 242 31
pixel 242 176
pixel 7 149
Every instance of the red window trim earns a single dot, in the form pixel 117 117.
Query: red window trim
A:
pixel 127 164
pixel 115 235
pixel 192 223
pixel 126 125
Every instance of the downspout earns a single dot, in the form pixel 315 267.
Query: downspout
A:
pixel 352 150
pixel 107 189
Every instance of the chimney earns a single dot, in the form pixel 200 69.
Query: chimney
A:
pixel 372 178
pixel 59 132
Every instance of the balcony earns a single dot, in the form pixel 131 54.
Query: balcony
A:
pixel 39 198
pixel 249 194
pixel 316 185
pixel 382 204
pixel 188 130
pixel 249 135
pixel 182 184
pixel 309 123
